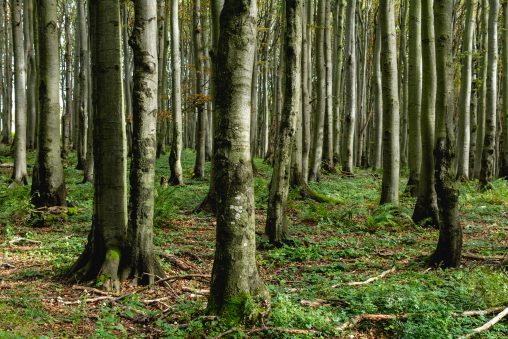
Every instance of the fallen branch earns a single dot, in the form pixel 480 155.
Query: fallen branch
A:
pixel 196 291
pixel 86 301
pixel 483 257
pixel 294 331
pixel 90 289
pixel 479 313
pixel 176 262
pixel 488 325
pixel 20 239
pixel 368 281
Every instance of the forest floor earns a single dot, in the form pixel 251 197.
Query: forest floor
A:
pixel 311 283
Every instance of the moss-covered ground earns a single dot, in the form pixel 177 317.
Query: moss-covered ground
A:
pixel 334 245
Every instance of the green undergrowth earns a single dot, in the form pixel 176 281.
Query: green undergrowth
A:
pixel 334 245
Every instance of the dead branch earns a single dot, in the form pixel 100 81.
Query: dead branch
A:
pixel 196 291
pixel 176 261
pixel 293 331
pixel 368 281
pixel 21 239
pixel 483 257
pixel 488 325
pixel 87 301
pixel 91 289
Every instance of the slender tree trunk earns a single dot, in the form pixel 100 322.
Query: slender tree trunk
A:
pixel 276 221
pixel 489 144
pixel 414 96
pixel 48 186
pixel 235 279
pixel 321 101
pixel 328 161
pixel 19 174
pixel 104 257
pixel 449 247
pixel 175 163
pixel 465 94
pixel 7 104
pixel 3 67
pixel 391 124
pixel 378 153
pixel 67 117
pixel 404 85
pixel 504 155
pixel 426 203
pixel 306 87
pixel 199 166
pixel 141 258
pixel 350 90
pixel 338 83
pixel 31 73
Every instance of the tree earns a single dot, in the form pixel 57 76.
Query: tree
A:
pixel 489 144
pixel 141 258
pixel 104 257
pixel 20 174
pixel 199 166
pixel 175 163
pixel 426 201
pixel 414 96
pixel 465 94
pixel 235 279
pixel 350 90
pixel 48 186
pixel 503 172
pixel 449 247
pixel 276 222
pixel 391 147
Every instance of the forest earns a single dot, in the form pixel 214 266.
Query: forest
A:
pixel 254 168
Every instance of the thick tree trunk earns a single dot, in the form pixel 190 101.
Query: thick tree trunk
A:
pixel 350 90
pixel 391 124
pixel 414 96
pixel 489 144
pixel 426 203
pixel 449 247
pixel 48 187
pixel 465 94
pixel 20 174
pixel 141 257
pixel 235 278
pixel 276 221
pixel 104 256
pixel 175 163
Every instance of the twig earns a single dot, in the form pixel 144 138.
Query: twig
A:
pixel 20 239
pixel 85 301
pixel 91 289
pixel 479 313
pixel 488 325
pixel 368 281
pixel 196 291
pixel 294 331
pixel 176 262
pixel 483 257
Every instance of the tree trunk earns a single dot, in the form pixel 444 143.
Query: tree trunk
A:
pixel 426 203
pixel 66 118
pixel 328 163
pixel 391 124
pixel 19 174
pixel 378 152
pixel 199 166
pixel 465 94
pixel 104 257
pixel 31 73
pixel 276 221
pixel 449 247
pixel 141 257
pixel 48 187
pixel 235 278
pixel 321 101
pixel 350 90
pixel 306 87
pixel 503 172
pixel 489 144
pixel 414 96
pixel 338 83
pixel 175 164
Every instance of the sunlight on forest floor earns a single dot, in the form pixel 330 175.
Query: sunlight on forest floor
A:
pixel 309 283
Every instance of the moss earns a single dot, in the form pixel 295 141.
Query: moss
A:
pixel 113 254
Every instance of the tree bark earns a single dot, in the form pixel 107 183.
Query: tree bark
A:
pixel 276 221
pixel 503 172
pixel 48 186
pixel 378 105
pixel 199 166
pixel 235 278
pixel 449 247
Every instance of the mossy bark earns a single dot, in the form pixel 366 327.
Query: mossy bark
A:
pixel 48 186
pixel 276 221
pixel 235 277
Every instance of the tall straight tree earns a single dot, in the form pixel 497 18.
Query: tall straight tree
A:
pixel 449 247
pixel 235 278
pixel 199 166
pixel 350 90
pixel 503 171
pixel 321 100
pixel 378 104
pixel 465 93
pixel 142 262
pixel 489 143
pixel 276 222
pixel 391 147
pixel 20 174
pixel 426 201
pixel 414 96
pixel 175 163
pixel 103 257
pixel 48 186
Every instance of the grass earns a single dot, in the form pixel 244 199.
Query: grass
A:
pixel 335 244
